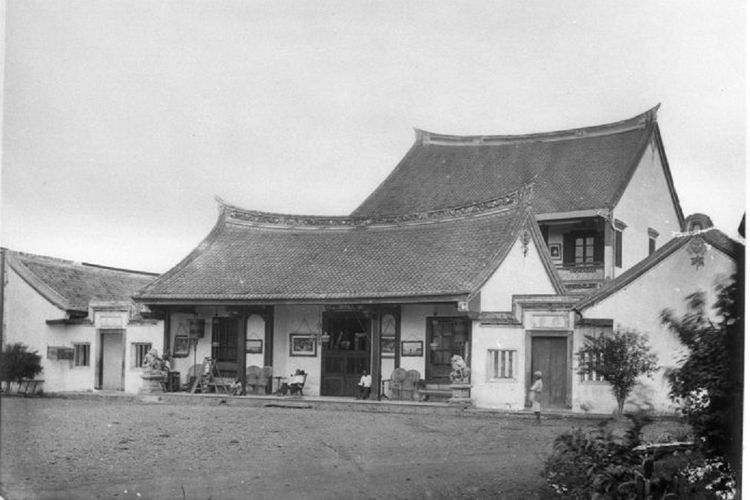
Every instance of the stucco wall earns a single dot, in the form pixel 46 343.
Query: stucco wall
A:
pixel 519 274
pixel 639 305
pixel 487 392
pixel 296 319
pixel 26 312
pixel 646 203
pixel 414 327
pixel 147 331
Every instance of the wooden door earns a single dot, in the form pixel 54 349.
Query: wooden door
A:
pixel 224 343
pixel 113 359
pixel 347 353
pixel 446 337
pixel 550 356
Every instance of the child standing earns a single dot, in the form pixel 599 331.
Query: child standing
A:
pixel 535 395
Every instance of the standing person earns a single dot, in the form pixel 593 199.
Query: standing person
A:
pixel 365 383
pixel 535 395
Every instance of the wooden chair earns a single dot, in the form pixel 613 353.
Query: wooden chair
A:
pixel 410 385
pixel 265 380
pixel 397 379
pixel 297 391
pixel 252 379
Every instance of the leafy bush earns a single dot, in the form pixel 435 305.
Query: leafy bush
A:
pixel 17 363
pixel 585 463
pixel 620 359
pixel 607 464
pixel 708 382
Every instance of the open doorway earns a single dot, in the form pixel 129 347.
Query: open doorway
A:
pixel 346 353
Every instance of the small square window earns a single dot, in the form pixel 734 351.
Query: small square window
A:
pixel 81 354
pixel 140 349
pixel 502 363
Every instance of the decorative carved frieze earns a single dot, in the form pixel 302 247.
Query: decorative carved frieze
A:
pixel 507 201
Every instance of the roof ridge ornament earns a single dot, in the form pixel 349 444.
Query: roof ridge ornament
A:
pixel 424 137
pixel 520 197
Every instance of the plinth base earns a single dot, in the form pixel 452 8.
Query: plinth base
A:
pixel 460 394
pixel 152 383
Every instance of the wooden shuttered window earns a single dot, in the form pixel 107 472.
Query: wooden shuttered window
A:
pixel 583 247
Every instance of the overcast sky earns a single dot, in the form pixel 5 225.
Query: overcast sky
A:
pixel 123 119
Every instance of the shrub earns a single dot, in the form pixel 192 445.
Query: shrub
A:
pixel 708 382
pixel 604 464
pixel 17 363
pixel 620 359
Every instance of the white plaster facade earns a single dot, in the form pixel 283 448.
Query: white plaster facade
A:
pixel 638 306
pixel 25 316
pixel 645 204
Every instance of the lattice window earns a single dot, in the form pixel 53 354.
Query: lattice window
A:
pixel 81 355
pixel 593 376
pixel 502 363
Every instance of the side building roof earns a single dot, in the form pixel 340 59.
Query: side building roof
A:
pixel 572 170
pixel 72 286
pixel 265 257
pixel 713 237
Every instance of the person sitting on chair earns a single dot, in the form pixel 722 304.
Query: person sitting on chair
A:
pixel 297 382
pixel 365 383
pixel 236 388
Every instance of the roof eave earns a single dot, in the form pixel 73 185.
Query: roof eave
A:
pixel 36 283
pixel 157 300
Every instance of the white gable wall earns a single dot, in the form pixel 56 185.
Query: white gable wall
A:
pixel 646 203
pixel 639 305
pixel 518 274
pixel 25 314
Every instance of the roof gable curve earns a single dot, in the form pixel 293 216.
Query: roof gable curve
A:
pixel 577 169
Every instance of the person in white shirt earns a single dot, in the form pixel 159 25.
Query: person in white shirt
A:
pixel 365 384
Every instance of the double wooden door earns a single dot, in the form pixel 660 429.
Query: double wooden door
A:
pixel 346 354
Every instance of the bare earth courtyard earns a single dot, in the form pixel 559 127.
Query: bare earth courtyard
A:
pixel 60 448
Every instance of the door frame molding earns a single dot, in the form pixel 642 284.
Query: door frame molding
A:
pixel 567 334
pixel 123 349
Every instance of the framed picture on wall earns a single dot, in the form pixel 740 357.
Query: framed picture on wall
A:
pixel 388 347
pixel 555 251
pixel 181 346
pixel 412 348
pixel 254 346
pixel 302 344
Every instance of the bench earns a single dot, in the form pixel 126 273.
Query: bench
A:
pixel 29 387
pixel 424 394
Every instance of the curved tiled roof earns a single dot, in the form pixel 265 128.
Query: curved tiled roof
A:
pixel 580 169
pixel 71 286
pixel 261 256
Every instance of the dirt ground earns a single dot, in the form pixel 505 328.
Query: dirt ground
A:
pixel 59 448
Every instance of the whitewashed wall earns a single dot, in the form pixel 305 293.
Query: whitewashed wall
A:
pixel 488 392
pixel 638 306
pixel 519 274
pixel 646 203
pixel 296 319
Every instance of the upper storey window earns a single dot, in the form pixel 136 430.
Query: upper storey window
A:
pixel 583 248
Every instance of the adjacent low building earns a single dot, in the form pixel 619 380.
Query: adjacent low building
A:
pixel 80 318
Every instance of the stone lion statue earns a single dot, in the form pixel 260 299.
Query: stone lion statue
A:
pixel 459 370
pixel 153 363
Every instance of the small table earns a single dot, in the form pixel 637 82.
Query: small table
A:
pixel 278 383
